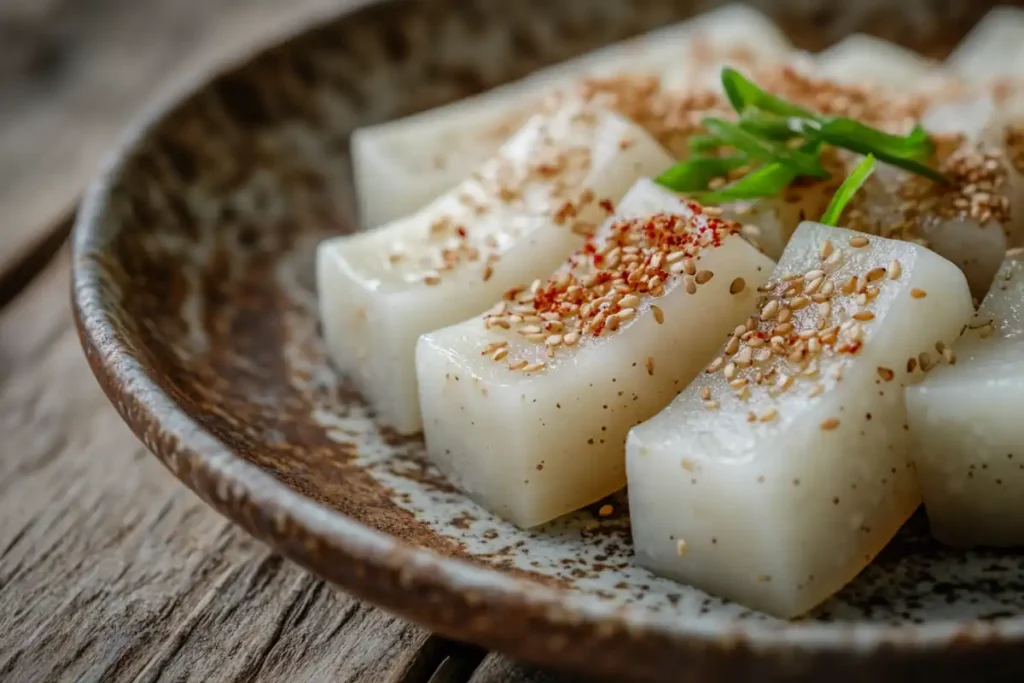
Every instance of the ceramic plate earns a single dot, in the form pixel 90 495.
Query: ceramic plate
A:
pixel 194 296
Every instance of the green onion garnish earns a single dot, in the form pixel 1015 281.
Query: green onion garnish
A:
pixel 696 173
pixel 768 151
pixel 766 181
pixel 767 131
pixel 846 191
pixel 903 152
pixel 742 94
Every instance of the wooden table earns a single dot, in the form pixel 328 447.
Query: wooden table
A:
pixel 110 570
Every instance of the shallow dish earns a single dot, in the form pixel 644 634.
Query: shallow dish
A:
pixel 194 298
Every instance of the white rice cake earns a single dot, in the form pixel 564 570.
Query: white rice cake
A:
pixel 966 428
pixel 993 49
pixel 520 216
pixel 972 221
pixel 428 153
pixel 782 470
pixel 864 59
pixel 527 408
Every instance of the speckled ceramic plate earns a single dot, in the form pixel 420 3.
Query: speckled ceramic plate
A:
pixel 195 301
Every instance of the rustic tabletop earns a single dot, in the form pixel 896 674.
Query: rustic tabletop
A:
pixel 110 570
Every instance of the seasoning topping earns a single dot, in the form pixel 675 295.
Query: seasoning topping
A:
pixel 606 284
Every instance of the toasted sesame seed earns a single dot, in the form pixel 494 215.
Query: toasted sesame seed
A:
pixel 689 267
pixel 715 365
pixel 833 261
pixel 918 293
pixel 680 547
pixel 830 423
pixel 751 417
pixel 949 356
pixel 518 365
pixel 659 315
pixel 533 367
pixel 500 354
pixel 704 276
pixel 737 285
pixel 826 250
pixel 431 278
pixel 711 405
pixel 817 390
pixel 691 284
pixel 769 415
pixel 799 302
pixel 876 274
pixel 705 393
pixel 858 242
pixel 863 316
pixel 885 373
pixel 650 365
pixel 911 364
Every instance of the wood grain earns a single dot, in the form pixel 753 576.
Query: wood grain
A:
pixel 110 570
pixel 73 72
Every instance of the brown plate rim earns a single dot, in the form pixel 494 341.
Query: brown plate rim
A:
pixel 448 595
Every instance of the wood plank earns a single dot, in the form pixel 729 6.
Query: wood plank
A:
pixel 73 72
pixel 110 570
pixel 497 668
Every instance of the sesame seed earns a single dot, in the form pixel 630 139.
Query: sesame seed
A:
pixel 730 370
pixel 659 315
pixel 650 365
pixel 858 242
pixel 533 367
pixel 715 365
pixel 570 339
pixel 711 405
pixel 751 417
pixel 817 390
pixel 986 331
pixel 911 364
pixel 895 270
pixel 518 365
pixel 826 250
pixel 876 274
pixel 799 302
pixel 705 393
pixel 689 267
pixel 691 284
pixel 737 285
pixel 553 340
pixel 770 310
pixel 680 547
pixel 769 415
pixel 812 275
pixel 499 354
pixel 704 276
pixel 885 373
pixel 918 293
pixel 949 356
pixel 431 278
pixel 864 316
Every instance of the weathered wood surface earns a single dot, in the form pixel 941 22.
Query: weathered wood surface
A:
pixel 72 72
pixel 110 570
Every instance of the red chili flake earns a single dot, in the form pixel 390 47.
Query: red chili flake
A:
pixel 607 205
pixel 461 231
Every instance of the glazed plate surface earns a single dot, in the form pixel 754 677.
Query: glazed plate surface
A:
pixel 194 296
